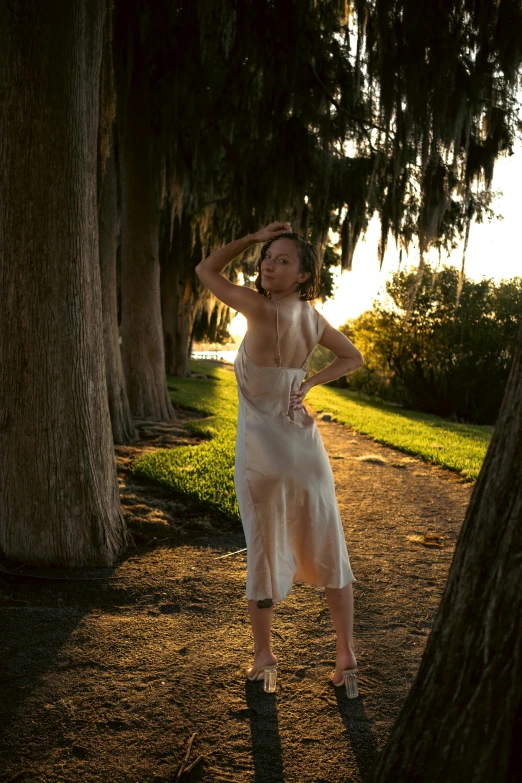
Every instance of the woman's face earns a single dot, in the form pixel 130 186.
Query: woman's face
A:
pixel 280 267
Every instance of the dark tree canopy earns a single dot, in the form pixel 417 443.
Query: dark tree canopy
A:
pixel 326 112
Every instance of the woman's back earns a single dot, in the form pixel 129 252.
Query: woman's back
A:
pixel 289 330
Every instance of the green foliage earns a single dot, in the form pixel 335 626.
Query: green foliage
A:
pixel 320 358
pixel 327 280
pixel 448 359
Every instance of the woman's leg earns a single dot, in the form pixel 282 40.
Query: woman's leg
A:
pixel 261 621
pixel 340 603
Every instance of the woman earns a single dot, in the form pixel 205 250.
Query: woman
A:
pixel 283 478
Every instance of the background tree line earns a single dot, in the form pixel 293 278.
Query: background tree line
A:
pixel 444 357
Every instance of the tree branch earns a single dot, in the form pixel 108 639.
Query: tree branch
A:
pixel 354 117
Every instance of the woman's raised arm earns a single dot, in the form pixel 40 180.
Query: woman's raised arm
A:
pixel 238 297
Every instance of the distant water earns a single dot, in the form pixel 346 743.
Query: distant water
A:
pixel 222 356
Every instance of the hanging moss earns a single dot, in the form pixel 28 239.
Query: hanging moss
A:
pixel 400 108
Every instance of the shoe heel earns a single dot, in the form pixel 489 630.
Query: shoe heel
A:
pixel 350 682
pixel 270 673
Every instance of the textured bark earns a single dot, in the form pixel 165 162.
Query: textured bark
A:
pixel 170 296
pixel 463 716
pixel 107 111
pixel 123 429
pixel 59 500
pixel 141 328
pixel 180 290
pixel 178 302
pixel 186 315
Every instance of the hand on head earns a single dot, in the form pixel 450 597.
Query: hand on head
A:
pixel 272 230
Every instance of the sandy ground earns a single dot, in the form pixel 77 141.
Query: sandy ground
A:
pixel 106 673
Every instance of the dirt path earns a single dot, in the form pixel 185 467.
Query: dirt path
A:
pixel 104 681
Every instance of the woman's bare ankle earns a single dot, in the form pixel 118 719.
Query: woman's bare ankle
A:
pixel 264 656
pixel 345 658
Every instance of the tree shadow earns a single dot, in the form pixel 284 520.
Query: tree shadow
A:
pixel 40 609
pixel 359 733
pixel 264 727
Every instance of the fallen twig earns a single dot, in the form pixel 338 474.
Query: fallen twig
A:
pixel 17 775
pixel 187 769
pixel 181 769
pixel 12 600
pixel 229 554
pixel 157 540
pixel 5 572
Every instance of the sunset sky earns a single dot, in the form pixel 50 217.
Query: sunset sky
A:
pixel 493 251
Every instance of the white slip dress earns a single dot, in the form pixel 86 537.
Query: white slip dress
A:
pixel 284 484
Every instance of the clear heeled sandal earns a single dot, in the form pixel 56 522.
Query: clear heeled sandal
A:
pixel 268 674
pixel 350 682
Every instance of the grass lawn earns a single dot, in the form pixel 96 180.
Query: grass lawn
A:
pixel 459 447
pixel 206 471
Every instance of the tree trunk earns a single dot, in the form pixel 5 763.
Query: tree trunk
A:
pixel 141 328
pixel 179 292
pixel 179 311
pixel 59 500
pixel 170 301
pixel 123 429
pixel 463 716
pixel 187 314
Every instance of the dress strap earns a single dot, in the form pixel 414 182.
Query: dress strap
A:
pixel 277 331
pixel 304 366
